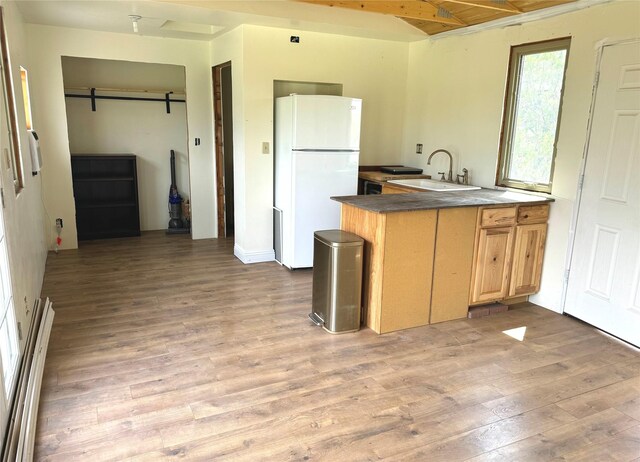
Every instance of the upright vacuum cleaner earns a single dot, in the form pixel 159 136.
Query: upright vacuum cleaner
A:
pixel 176 224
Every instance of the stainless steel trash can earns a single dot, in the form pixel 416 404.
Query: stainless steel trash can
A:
pixel 337 280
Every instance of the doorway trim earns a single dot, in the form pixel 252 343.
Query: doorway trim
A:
pixel 219 146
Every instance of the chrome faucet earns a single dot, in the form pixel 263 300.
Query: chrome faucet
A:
pixel 450 176
pixel 464 176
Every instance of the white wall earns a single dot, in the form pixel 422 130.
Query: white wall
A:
pixel 46 47
pixel 229 47
pixel 143 129
pixel 23 214
pixel 374 70
pixel 455 99
pixel 138 127
pixel 112 73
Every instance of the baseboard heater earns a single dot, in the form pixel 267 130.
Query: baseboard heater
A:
pixel 20 437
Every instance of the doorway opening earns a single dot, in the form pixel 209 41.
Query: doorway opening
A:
pixel 223 128
pixel 124 119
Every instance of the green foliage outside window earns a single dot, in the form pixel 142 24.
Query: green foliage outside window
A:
pixel 534 131
pixel 532 114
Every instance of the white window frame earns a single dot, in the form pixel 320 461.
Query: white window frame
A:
pixel 510 112
pixel 10 107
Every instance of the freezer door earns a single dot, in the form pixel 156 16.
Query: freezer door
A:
pixel 317 177
pixel 326 122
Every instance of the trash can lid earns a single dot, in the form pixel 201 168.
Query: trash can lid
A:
pixel 338 238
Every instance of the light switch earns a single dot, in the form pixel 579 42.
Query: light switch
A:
pixel 265 147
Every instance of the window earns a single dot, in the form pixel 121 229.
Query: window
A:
pixel 26 99
pixel 10 108
pixel 532 115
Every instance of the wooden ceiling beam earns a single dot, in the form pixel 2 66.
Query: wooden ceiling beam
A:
pixel 504 6
pixel 413 9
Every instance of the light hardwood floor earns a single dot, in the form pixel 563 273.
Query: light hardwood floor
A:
pixel 165 348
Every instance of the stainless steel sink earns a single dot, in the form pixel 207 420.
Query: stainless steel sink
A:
pixel 433 185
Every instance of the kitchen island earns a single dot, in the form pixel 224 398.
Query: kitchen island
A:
pixel 429 256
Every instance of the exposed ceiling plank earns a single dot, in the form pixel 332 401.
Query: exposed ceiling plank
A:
pixel 413 9
pixel 489 4
pixel 430 28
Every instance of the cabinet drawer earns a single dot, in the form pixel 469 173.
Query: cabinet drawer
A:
pixel 498 217
pixel 533 214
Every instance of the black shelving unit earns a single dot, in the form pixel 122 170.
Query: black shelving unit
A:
pixel 105 187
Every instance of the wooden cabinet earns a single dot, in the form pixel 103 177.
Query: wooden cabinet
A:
pixel 533 214
pixel 105 188
pixel 427 266
pixel 398 265
pixel 452 264
pixel 509 251
pixel 417 264
pixel 527 259
pixel 528 251
pixel 503 216
pixel 492 264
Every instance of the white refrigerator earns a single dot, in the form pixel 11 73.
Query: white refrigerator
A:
pixel 317 145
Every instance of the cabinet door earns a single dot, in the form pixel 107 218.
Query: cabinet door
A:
pixel 492 264
pixel 527 259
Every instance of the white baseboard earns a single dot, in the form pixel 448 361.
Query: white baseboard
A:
pixel 253 257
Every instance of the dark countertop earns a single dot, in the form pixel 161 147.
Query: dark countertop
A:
pixel 387 203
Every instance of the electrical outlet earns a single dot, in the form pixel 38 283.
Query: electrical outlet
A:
pixel 418 148
pixel 265 147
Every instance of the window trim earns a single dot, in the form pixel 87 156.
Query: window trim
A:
pixel 10 103
pixel 509 113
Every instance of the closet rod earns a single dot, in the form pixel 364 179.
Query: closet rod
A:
pixel 123 90
pixel 93 97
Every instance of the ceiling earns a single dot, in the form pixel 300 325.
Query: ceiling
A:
pixel 401 20
pixel 472 12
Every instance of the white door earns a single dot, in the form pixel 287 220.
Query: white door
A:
pixel 326 122
pixel 604 279
pixel 9 347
